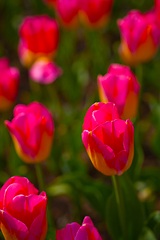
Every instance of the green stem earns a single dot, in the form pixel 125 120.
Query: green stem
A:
pixel 40 177
pixel 120 205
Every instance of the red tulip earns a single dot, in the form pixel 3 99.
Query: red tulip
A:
pixel 108 139
pixel 9 82
pixel 22 210
pixel 120 86
pixel 96 13
pixel 39 37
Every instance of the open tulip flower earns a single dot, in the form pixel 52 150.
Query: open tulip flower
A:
pixel 22 210
pixel 140 37
pixel 108 139
pixel 39 37
pixel 96 13
pixel 9 82
pixel 120 86
pixel 74 231
pixel 32 132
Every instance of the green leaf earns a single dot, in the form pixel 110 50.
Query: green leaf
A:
pixel 153 223
pixel 147 234
pixel 134 213
pixel 80 186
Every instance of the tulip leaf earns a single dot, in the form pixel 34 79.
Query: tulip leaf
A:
pixel 147 234
pixel 134 214
pixel 153 223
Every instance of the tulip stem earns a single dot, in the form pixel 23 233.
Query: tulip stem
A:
pixel 120 205
pixel 40 177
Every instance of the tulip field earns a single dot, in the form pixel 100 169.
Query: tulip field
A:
pixel 80 120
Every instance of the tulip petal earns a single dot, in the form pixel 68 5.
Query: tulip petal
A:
pixel 107 112
pixel 12 228
pixel 88 117
pixel 68 233
pixel 101 155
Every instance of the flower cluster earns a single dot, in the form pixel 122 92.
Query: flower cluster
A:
pixel 39 38
pixel 92 13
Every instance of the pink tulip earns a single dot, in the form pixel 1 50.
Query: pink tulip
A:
pixel 9 82
pixel 45 71
pixel 96 13
pixel 39 37
pixel 138 33
pixel 120 86
pixel 108 139
pixel 32 132
pixel 22 210
pixel 74 231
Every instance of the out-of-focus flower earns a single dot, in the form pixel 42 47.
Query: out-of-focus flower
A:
pixel 120 86
pixel 108 139
pixel 45 71
pixel 9 82
pixel 22 210
pixel 32 131
pixel 67 11
pixel 39 37
pixel 74 231
pixel 96 13
pixel 140 37
pixel 51 3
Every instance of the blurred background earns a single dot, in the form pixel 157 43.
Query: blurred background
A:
pixel 74 187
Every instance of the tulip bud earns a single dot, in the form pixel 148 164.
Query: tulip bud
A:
pixel 74 231
pixel 9 82
pixel 32 132
pixel 138 33
pixel 39 37
pixel 108 139
pixel 121 87
pixel 22 210
pixel 96 13
pixel 45 71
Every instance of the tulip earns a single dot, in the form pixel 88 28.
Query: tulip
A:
pixel 22 210
pixel 157 11
pixel 120 86
pixel 45 71
pixel 32 132
pixel 39 37
pixel 67 11
pixel 140 37
pixel 108 139
pixel 96 13
pixel 74 231
pixel 9 82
